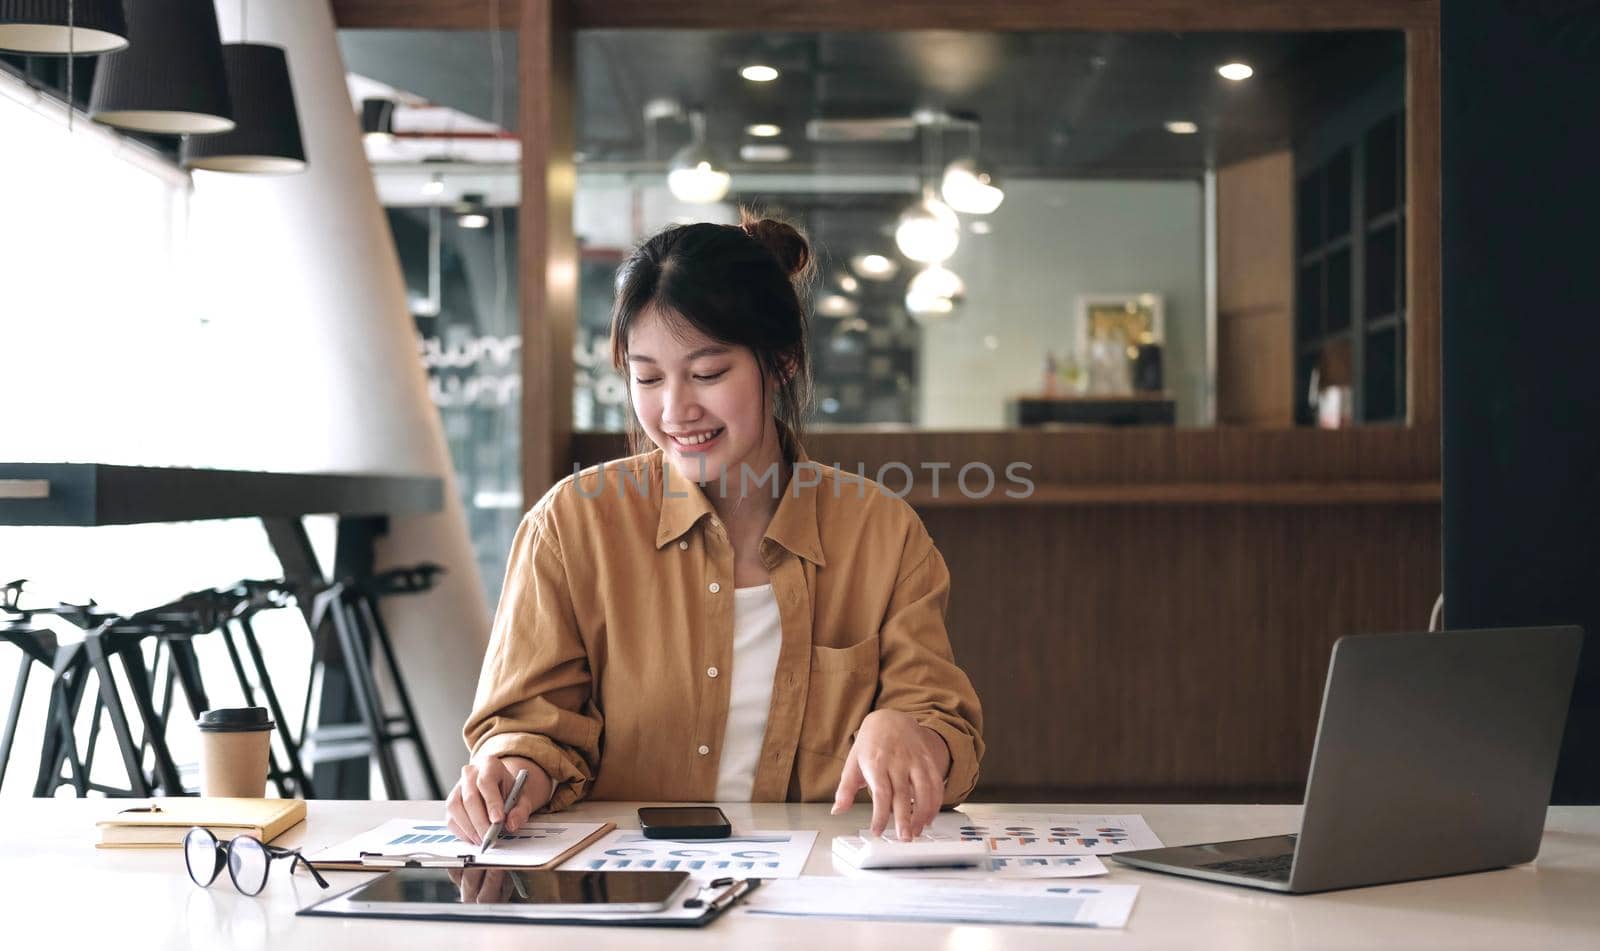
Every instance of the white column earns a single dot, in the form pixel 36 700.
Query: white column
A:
pixel 311 257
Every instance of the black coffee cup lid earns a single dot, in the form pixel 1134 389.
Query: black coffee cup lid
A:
pixel 235 720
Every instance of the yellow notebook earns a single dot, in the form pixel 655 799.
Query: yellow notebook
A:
pixel 163 823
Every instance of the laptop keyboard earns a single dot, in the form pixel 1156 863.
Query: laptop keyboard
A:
pixel 1272 867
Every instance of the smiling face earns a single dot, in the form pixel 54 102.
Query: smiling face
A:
pixel 700 401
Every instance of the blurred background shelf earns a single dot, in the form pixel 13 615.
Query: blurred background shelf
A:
pixel 1133 409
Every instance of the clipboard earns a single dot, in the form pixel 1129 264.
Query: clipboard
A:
pixel 702 904
pixel 367 860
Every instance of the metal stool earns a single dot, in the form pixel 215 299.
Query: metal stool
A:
pixel 69 675
pixel 70 671
pixel 352 605
pixel 173 626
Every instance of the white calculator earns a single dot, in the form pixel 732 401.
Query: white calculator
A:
pixel 864 850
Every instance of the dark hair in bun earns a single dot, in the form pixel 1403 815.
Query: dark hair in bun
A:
pixel 744 285
pixel 785 242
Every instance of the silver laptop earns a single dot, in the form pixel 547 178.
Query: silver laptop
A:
pixel 1435 755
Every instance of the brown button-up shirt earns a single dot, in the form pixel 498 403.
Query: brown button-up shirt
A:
pixel 618 601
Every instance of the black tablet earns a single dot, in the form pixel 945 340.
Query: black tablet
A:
pixel 499 890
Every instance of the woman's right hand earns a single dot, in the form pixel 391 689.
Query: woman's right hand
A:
pixel 478 799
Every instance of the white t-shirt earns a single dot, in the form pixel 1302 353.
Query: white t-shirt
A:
pixel 757 638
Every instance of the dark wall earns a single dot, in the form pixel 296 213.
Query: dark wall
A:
pixel 1521 260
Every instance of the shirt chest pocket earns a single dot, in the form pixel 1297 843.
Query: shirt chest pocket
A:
pixel 844 683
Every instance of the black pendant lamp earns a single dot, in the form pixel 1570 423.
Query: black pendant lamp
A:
pixel 377 119
pixel 266 137
pixel 170 80
pixel 41 27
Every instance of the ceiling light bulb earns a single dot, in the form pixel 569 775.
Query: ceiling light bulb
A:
pixel 759 73
pixel 699 184
pixel 970 187
pixel 874 267
pixel 928 231
pixel 657 109
pixel 937 281
pixel 837 305
pixel 1182 127
pixel 696 176
pixel 849 284
pixel 472 211
pixel 941 211
pixel 934 292
pixel 1235 71
pixel 764 152
pixel 923 306
pixel 763 130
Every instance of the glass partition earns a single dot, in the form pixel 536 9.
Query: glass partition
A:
pixel 1027 229
pixel 438 114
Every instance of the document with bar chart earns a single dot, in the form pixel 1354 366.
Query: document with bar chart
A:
pixel 745 855
pixel 533 845
pixel 1035 834
pixel 995 867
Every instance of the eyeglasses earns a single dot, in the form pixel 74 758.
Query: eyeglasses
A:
pixel 247 860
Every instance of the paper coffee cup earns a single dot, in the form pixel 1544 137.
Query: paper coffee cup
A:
pixel 235 743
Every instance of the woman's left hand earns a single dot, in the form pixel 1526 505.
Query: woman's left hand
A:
pixel 903 764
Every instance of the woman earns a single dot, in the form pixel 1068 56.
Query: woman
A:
pixel 719 619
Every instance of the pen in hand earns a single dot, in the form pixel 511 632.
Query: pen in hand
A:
pixel 511 800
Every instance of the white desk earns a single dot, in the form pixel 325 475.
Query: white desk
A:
pixel 57 890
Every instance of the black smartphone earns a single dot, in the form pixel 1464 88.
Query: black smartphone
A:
pixel 684 822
